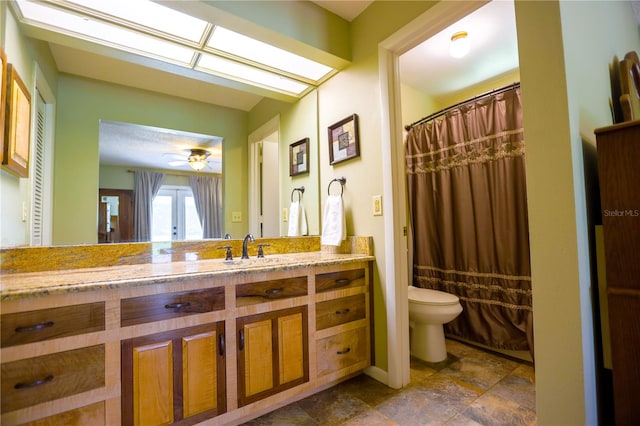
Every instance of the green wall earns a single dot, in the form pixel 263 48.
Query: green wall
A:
pixel 82 103
pixel 29 57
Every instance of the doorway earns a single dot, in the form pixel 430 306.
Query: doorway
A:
pixel 264 180
pixel 395 274
pixel 115 219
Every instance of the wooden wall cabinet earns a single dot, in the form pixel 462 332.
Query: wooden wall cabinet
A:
pixel 172 376
pixel 619 172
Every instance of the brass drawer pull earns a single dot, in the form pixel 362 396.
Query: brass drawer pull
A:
pixel 346 351
pixel 342 282
pixel 177 305
pixel 34 384
pixel 343 311
pixel 34 327
pixel 273 291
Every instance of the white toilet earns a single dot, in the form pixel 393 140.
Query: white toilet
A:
pixel 428 311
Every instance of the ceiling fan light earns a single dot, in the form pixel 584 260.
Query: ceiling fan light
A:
pixel 198 159
pixel 459 44
pixel 197 164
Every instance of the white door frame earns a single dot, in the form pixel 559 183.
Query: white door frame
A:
pixel 434 20
pixel 257 136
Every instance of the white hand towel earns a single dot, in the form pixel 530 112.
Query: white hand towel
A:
pixel 334 227
pixel 297 220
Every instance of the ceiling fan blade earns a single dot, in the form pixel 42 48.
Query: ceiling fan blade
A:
pixel 177 162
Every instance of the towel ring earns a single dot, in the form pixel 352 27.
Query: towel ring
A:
pixel 342 181
pixel 300 192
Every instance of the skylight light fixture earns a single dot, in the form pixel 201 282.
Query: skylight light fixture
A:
pixel 266 54
pixel 96 30
pixel 150 29
pixel 242 72
pixel 151 15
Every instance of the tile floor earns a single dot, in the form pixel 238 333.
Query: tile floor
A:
pixel 473 387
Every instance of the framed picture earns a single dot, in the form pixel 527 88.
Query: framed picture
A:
pixel 299 157
pixel 344 143
pixel 17 125
pixel 3 98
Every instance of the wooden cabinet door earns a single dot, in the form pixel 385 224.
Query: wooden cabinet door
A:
pixel 172 376
pixel 153 383
pixel 272 353
pixel 199 373
pixel 291 347
pixel 257 350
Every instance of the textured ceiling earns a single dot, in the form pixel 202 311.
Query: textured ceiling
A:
pixel 133 145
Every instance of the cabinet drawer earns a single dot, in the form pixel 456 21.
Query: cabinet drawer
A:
pixel 340 279
pixel 266 291
pixel 45 324
pixel 342 350
pixel 90 415
pixel 45 378
pixel 138 310
pixel 340 311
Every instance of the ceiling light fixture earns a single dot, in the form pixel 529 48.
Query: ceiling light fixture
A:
pixel 459 44
pixel 151 29
pixel 198 159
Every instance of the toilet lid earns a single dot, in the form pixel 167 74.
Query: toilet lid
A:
pixel 427 296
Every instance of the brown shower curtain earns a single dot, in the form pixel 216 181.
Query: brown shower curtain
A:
pixel 468 204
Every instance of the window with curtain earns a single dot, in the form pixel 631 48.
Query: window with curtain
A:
pixel 146 186
pixel 207 193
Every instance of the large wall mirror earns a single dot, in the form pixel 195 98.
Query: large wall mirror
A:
pixel 87 108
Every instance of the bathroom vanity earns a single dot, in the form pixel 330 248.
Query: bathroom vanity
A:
pixel 182 342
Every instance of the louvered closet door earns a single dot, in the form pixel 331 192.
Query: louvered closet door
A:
pixel 38 173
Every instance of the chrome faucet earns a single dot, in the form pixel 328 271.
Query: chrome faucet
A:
pixel 248 237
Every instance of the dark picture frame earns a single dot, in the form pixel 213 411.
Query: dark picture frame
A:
pixel 16 147
pixel 344 142
pixel 299 157
pixel 3 99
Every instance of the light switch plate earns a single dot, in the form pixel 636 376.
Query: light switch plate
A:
pixel 376 205
pixel 236 217
pixel 285 214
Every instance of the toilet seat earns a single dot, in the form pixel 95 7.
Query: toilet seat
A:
pixel 426 296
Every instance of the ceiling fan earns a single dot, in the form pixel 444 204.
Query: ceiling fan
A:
pixel 196 158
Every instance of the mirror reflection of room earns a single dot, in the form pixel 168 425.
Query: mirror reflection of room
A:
pixel 170 179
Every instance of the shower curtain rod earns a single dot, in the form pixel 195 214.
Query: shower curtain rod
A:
pixel 475 98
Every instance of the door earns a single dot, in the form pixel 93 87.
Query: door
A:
pixel 270 188
pixel 264 180
pixel 175 216
pixel 117 225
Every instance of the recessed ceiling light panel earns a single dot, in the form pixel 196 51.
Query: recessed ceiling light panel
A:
pixel 150 29
pixel 242 72
pixel 151 15
pixel 95 30
pixel 257 51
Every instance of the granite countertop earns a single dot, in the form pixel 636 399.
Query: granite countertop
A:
pixel 34 284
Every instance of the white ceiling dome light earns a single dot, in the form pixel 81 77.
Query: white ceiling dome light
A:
pixel 459 44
